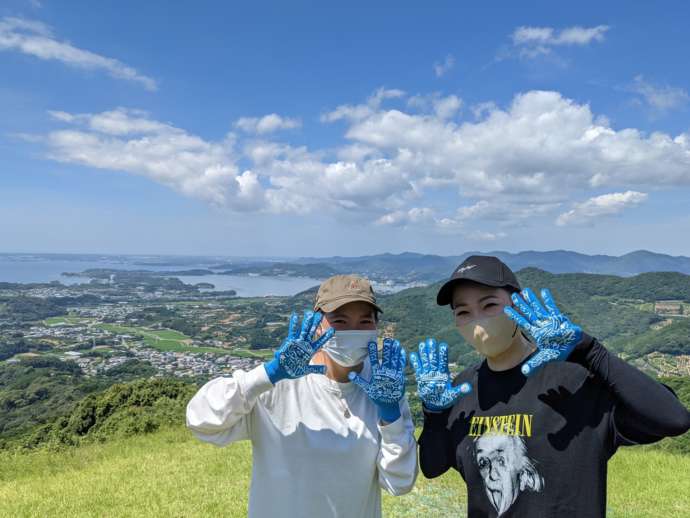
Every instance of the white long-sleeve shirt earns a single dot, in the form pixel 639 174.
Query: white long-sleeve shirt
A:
pixel 319 449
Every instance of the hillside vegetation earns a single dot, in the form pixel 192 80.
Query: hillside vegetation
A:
pixel 616 310
pixel 145 406
pixel 122 410
pixel 39 390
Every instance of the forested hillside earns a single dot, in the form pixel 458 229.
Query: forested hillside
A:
pixel 617 310
pixel 45 399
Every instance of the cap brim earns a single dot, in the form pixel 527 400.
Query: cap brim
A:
pixel 445 294
pixel 444 297
pixel 328 307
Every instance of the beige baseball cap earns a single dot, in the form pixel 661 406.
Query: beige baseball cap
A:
pixel 338 290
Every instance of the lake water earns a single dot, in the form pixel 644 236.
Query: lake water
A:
pixel 27 269
pixel 251 286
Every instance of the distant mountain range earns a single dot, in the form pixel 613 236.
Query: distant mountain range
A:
pixel 423 267
pixel 407 267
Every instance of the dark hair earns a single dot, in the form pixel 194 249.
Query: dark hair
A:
pixel 509 289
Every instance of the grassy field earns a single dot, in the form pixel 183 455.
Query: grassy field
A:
pixel 65 320
pixel 263 354
pixel 162 339
pixel 171 340
pixel 172 474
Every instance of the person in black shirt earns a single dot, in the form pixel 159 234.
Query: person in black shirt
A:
pixel 531 428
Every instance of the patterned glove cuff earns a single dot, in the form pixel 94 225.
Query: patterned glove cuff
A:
pixel 389 413
pixel 273 370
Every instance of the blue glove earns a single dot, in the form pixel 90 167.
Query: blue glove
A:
pixel 292 358
pixel 555 334
pixel 434 383
pixel 387 384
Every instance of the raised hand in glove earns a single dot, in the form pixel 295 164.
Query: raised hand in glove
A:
pixel 556 336
pixel 291 360
pixel 387 384
pixel 434 382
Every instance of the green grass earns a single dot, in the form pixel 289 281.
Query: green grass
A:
pixel 65 320
pixel 159 334
pixel 263 354
pixel 644 482
pixel 172 474
pixel 174 341
pixel 163 339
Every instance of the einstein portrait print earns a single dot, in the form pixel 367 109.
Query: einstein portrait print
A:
pixel 502 459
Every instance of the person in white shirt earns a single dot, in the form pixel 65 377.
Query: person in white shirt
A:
pixel 328 420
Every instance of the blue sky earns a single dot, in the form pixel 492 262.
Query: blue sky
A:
pixel 297 128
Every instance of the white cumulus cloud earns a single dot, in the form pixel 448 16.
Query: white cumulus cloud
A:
pixel 599 206
pixel 267 124
pixel 402 161
pixel 661 98
pixel 406 217
pixel 130 141
pixel 542 147
pixel 360 111
pixel 443 107
pixel 535 41
pixel 37 39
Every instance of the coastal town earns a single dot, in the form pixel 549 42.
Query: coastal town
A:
pixel 171 331
pixel 148 325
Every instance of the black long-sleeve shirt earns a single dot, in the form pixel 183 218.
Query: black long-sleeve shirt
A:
pixel 539 446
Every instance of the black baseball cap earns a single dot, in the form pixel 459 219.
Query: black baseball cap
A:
pixel 483 269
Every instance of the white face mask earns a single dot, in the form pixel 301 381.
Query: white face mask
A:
pixel 349 348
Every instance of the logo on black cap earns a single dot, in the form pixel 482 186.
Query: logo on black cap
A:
pixel 465 268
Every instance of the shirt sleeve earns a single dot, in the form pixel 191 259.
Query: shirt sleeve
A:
pixel 645 410
pixel 220 411
pixel 397 459
pixel 435 456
